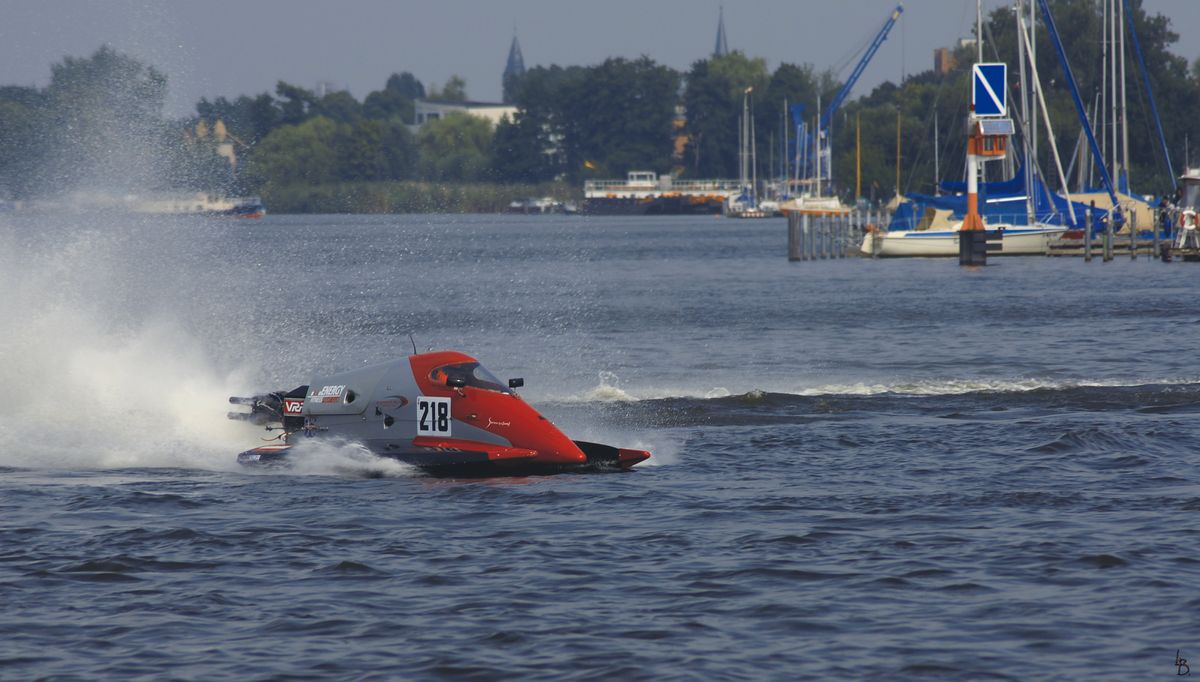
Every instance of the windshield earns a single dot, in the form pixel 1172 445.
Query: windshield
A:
pixel 472 373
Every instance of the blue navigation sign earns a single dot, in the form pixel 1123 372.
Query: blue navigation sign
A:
pixel 988 89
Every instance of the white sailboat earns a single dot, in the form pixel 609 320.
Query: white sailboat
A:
pixel 813 203
pixel 1018 240
pixel 744 203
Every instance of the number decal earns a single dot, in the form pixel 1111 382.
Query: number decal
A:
pixel 433 416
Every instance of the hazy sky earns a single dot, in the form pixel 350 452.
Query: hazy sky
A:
pixel 227 47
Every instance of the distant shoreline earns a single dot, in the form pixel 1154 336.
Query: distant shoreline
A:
pixel 406 197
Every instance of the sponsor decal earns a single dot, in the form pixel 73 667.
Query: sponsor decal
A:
pixel 335 391
pixel 392 402
pixel 329 399
pixel 492 422
pixel 293 406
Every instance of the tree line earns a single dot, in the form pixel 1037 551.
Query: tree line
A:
pixel 99 122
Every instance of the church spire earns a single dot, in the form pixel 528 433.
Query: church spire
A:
pixel 722 47
pixel 514 68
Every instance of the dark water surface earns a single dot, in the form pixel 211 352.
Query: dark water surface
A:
pixel 863 469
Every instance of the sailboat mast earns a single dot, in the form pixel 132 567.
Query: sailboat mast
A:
pixel 979 31
pixel 937 157
pixel 786 171
pixel 1124 111
pixel 1025 119
pixel 1102 113
pixel 817 136
pixel 1033 122
pixel 753 163
pixel 742 148
pixel 1112 58
pixel 857 157
pixel 897 150
pixel 1095 117
pixel 1041 104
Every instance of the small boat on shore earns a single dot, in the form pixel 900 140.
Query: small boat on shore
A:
pixel 541 206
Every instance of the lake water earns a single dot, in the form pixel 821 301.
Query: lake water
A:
pixel 862 469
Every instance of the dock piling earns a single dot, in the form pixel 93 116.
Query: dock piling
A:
pixel 795 241
pixel 1108 238
pixel 1156 225
pixel 1087 234
pixel 1132 235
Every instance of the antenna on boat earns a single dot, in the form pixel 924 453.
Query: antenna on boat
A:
pixel 413 341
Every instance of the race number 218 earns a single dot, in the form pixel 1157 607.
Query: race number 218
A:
pixel 433 416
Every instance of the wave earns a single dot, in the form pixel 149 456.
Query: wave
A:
pixel 609 390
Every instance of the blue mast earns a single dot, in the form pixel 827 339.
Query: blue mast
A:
pixel 1083 119
pixel 1137 47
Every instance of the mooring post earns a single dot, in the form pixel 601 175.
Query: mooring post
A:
pixel 847 223
pixel 1087 234
pixel 805 237
pixel 877 240
pixel 1156 226
pixel 1132 235
pixel 793 231
pixel 1108 237
pixel 813 246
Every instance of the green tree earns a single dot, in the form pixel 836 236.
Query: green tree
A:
pixel 101 121
pixel 619 116
pixel 531 146
pixel 456 147
pixel 374 150
pixel 396 99
pixel 455 90
pixel 304 153
pixel 338 106
pixel 294 103
pixel 400 150
pixel 20 129
pixel 713 102
pixel 522 151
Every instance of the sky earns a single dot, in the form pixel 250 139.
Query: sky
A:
pixel 234 47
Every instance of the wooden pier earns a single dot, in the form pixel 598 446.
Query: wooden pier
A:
pixel 822 236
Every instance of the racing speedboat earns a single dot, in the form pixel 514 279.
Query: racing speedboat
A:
pixel 442 412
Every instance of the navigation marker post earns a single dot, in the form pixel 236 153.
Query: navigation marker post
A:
pixel 988 140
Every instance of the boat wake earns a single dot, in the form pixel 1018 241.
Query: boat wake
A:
pixel 340 458
pixel 97 379
pixel 609 390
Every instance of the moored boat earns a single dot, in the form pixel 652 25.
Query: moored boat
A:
pixel 1014 240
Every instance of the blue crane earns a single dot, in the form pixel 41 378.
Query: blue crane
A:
pixel 860 67
pixel 824 156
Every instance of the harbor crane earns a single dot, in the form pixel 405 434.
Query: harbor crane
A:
pixel 824 136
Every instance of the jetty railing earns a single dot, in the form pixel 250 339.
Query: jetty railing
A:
pixel 663 184
pixel 823 236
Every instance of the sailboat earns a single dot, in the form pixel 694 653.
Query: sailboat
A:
pixel 744 204
pixel 812 202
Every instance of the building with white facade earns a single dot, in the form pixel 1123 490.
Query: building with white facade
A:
pixel 425 111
